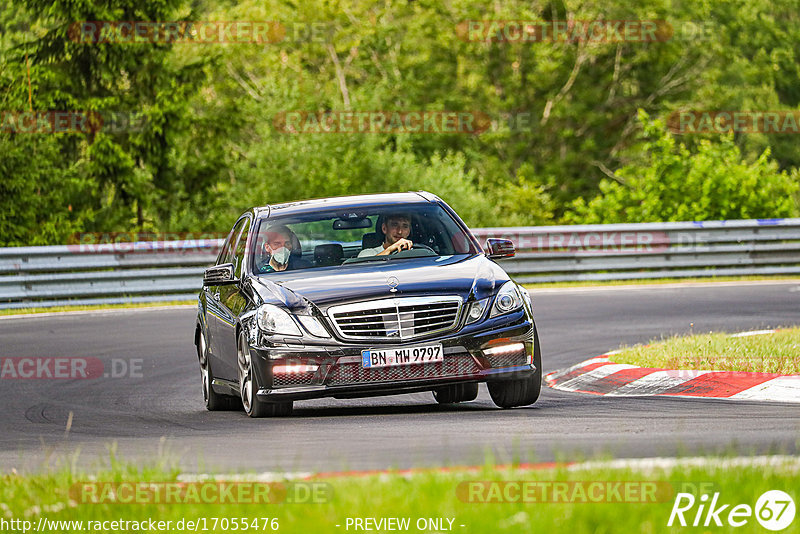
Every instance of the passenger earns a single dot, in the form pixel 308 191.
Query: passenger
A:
pixel 396 228
pixel 278 245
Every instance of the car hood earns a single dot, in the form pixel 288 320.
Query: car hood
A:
pixel 445 275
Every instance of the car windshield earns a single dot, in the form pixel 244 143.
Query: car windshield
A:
pixel 341 237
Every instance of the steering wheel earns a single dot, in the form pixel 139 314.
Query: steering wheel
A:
pixel 407 253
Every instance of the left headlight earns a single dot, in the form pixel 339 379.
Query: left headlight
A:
pixel 507 299
pixel 274 320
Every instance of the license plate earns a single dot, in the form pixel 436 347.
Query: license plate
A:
pixel 404 356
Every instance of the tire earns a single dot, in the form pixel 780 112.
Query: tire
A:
pixel 248 386
pixel 456 393
pixel 213 401
pixel 523 391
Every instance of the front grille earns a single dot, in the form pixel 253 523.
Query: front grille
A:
pixel 292 379
pixel 354 373
pixel 396 319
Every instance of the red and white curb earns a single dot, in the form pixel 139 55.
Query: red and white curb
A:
pixel 600 376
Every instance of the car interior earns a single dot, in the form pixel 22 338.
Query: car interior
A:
pixel 322 251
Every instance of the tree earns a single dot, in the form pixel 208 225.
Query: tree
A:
pixel 670 182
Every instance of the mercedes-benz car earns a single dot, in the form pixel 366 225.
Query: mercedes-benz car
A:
pixel 317 299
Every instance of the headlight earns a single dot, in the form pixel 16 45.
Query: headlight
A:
pixel 476 309
pixel 507 300
pixel 274 320
pixel 313 326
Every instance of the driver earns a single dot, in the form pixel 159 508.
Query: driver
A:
pixel 278 245
pixel 396 228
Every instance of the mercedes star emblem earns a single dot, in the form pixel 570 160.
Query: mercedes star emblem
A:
pixel 393 283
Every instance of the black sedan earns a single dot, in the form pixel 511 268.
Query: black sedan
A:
pixel 362 296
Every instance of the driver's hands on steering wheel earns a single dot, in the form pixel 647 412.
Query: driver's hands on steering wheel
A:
pixel 397 246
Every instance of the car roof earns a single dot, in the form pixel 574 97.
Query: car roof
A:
pixel 355 201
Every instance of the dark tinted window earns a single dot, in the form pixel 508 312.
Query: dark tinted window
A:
pixel 336 238
pixel 226 254
pixel 238 258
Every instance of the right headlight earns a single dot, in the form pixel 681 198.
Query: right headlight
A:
pixel 313 326
pixel 476 309
pixel 274 320
pixel 507 299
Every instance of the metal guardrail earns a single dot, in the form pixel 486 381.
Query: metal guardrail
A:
pixel 652 250
pixel 172 270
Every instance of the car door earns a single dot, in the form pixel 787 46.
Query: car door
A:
pixel 215 311
pixel 231 304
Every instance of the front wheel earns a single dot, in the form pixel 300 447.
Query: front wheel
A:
pixel 522 391
pixel 248 388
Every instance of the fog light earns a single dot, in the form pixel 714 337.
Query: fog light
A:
pixel 294 369
pixel 503 350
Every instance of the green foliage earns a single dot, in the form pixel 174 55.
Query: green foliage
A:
pixel 674 183
pixel 39 195
pixel 288 167
pixel 208 147
pixel 109 179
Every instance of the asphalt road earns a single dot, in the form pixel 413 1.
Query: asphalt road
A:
pixel 158 413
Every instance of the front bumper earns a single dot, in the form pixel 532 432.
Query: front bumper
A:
pixel 337 370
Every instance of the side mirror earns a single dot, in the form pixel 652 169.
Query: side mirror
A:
pixel 500 248
pixel 219 275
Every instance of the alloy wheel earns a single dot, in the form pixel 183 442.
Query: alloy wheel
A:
pixel 245 373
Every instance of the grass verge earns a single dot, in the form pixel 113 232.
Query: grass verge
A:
pixel 560 499
pixel 778 352
pixel 92 307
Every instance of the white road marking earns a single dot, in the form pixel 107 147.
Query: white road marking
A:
pixel 783 388
pixel 646 464
pixel 753 333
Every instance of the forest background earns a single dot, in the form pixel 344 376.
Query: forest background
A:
pixel 579 131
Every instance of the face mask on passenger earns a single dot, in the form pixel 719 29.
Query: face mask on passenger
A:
pixel 281 255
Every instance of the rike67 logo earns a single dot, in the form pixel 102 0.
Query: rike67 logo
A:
pixel 774 510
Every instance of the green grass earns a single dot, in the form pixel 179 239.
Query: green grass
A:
pixel 656 281
pixel 92 307
pixel 419 495
pixel 768 353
